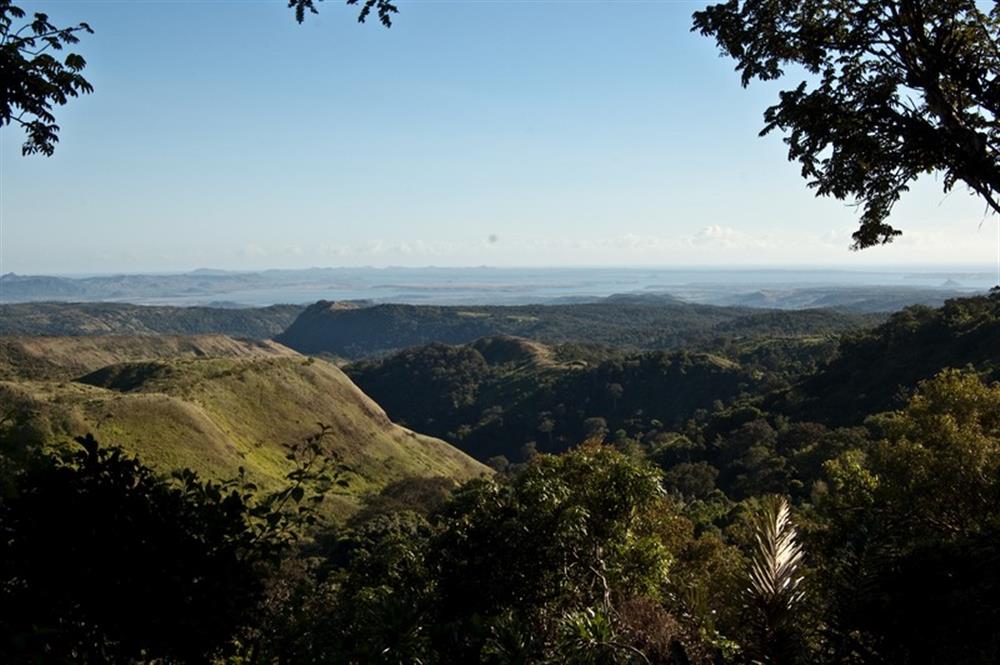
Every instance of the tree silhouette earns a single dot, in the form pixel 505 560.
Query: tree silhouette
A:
pixel 896 90
pixel 32 79
pixel 383 8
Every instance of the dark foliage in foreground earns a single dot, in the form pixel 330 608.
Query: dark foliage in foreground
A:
pixel 568 561
pixel 102 560
pixel 583 558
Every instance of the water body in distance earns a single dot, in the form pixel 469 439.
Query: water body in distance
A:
pixel 761 287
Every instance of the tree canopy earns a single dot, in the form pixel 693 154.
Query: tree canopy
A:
pixel 911 535
pixel 891 91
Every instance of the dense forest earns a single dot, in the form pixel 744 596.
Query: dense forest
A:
pixel 508 392
pixel 508 396
pixel 876 369
pixel 505 396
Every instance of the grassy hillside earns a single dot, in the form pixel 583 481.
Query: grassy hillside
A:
pixel 634 323
pixel 51 318
pixel 217 414
pixel 65 358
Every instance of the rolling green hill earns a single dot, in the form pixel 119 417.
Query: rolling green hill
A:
pixel 97 318
pixel 215 414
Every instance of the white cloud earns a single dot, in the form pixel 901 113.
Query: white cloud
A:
pixel 253 250
pixel 728 237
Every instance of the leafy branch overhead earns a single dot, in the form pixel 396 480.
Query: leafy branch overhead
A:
pixel 891 91
pixel 32 79
pixel 384 8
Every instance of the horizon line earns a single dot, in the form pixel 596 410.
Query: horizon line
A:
pixel 733 267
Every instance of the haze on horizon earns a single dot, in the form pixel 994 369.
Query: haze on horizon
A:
pixel 224 135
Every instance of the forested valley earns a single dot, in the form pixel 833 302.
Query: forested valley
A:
pixel 792 496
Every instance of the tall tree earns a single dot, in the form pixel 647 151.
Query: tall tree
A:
pixel 894 90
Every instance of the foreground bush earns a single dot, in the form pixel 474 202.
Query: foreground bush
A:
pixel 101 560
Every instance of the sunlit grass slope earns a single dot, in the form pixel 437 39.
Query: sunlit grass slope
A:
pixel 216 414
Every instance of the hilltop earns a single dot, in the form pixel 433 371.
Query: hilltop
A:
pixel 623 322
pixel 101 318
pixel 215 414
pixel 66 358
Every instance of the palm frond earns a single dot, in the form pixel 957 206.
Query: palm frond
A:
pixel 775 577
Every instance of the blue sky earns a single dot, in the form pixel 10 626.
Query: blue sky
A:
pixel 223 134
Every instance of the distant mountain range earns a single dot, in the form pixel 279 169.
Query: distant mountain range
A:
pixel 126 288
pixel 854 298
